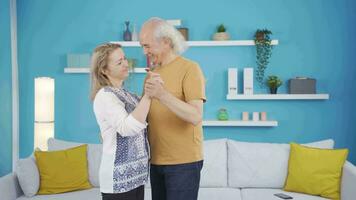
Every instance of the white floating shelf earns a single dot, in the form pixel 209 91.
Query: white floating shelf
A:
pixel 87 70
pixel 202 43
pixel 278 97
pixel 240 123
pixel 226 43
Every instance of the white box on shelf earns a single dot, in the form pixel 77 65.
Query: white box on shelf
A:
pixel 174 22
pixel 255 116
pixel 248 80
pixel 78 60
pixel 232 81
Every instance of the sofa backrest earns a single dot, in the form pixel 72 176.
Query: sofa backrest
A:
pixel 214 172
pixel 227 163
pixel 261 165
pixel 93 156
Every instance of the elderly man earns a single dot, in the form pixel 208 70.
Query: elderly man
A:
pixel 175 116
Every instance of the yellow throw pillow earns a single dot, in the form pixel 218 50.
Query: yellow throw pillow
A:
pixel 63 171
pixel 315 171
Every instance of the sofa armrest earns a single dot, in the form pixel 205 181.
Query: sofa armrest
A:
pixel 9 187
pixel 348 182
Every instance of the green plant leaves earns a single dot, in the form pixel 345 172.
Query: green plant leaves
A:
pixel 221 28
pixel 263 53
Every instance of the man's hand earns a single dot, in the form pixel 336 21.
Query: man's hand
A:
pixel 154 86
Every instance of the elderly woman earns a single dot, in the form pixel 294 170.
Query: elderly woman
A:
pixel 121 116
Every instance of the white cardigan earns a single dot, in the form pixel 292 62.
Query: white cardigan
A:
pixel 117 125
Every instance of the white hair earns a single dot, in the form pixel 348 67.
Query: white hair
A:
pixel 165 30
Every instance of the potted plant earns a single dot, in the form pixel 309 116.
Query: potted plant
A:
pixel 263 53
pixel 273 82
pixel 221 33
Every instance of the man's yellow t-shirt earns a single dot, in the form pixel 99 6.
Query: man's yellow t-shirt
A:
pixel 173 140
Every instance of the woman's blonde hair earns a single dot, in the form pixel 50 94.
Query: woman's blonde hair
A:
pixel 99 62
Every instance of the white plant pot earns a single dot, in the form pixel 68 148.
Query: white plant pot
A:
pixel 221 36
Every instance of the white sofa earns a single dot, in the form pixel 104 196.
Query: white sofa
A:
pixel 232 170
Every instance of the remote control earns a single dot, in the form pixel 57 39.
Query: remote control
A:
pixel 283 196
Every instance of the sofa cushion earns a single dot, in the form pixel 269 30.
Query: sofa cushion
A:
pixel 261 165
pixel 63 171
pixel 90 194
pixel 348 181
pixel 219 194
pixel 210 194
pixel 214 172
pixel 93 154
pixel 268 194
pixel 308 167
pixel 28 176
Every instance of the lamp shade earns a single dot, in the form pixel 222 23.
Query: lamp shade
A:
pixel 44 99
pixel 44 111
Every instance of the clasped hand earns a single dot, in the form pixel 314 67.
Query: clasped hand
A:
pixel 154 86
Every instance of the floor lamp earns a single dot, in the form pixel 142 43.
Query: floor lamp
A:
pixel 44 111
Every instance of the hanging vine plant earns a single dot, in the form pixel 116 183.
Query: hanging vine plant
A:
pixel 263 53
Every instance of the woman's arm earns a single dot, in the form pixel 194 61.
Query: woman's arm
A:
pixel 112 116
pixel 142 108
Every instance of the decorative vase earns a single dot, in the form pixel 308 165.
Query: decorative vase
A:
pixel 222 115
pixel 127 33
pixel 134 35
pixel 221 36
pixel 273 90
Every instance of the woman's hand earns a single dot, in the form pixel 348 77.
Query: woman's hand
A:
pixel 154 85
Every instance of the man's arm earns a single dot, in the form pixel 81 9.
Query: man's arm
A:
pixel 191 111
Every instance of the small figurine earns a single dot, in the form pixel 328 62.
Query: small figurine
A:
pixel 222 115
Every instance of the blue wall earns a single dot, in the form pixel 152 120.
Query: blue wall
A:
pixel 5 90
pixel 316 38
